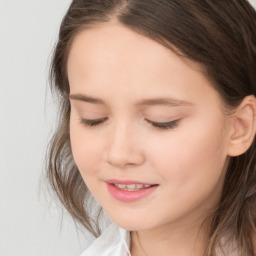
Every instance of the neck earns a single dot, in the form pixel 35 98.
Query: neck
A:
pixel 179 239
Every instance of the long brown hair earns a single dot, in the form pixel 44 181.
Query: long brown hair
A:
pixel 221 37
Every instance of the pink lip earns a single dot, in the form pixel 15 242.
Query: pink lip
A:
pixel 128 182
pixel 129 196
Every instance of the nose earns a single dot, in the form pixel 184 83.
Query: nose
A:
pixel 124 148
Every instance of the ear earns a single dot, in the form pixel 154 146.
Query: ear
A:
pixel 243 127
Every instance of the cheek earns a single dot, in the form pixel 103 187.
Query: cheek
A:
pixel 191 159
pixel 85 150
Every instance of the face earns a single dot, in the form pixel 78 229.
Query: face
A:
pixel 147 129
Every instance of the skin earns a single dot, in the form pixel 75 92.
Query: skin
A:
pixel 187 161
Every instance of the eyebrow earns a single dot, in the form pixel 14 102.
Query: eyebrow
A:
pixel 145 102
pixel 85 98
pixel 164 101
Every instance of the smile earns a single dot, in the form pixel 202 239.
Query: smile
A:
pixel 130 191
pixel 131 187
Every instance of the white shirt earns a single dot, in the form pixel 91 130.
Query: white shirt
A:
pixel 114 241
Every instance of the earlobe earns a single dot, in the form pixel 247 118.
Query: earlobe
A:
pixel 244 127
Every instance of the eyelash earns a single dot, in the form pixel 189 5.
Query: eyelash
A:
pixel 165 125
pixel 93 122
pixel 157 125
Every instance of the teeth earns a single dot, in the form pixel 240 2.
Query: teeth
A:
pixel 131 187
pixel 121 186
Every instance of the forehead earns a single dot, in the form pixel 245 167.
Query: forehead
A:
pixel 112 58
pixel 108 44
pixel 113 44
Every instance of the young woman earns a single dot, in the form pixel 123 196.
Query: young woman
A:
pixel 157 122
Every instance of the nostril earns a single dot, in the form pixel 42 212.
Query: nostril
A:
pixel 123 159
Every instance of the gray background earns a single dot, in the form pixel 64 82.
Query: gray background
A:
pixel 30 223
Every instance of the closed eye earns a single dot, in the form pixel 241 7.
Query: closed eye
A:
pixel 159 125
pixel 93 122
pixel 164 125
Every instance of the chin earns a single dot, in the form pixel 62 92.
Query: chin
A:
pixel 128 223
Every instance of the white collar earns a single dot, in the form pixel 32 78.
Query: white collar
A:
pixel 114 241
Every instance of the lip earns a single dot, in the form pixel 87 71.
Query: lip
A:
pixel 128 182
pixel 129 196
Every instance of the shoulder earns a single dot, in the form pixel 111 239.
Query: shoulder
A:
pixel 114 241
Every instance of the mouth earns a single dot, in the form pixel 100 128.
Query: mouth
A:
pixel 132 187
pixel 129 191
